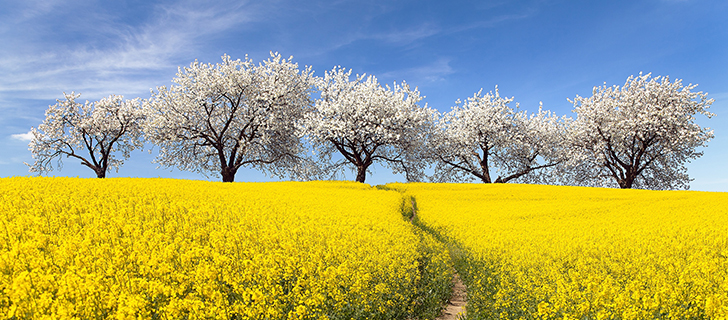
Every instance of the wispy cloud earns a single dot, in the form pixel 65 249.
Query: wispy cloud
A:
pixel 412 35
pixel 125 63
pixel 405 36
pixel 718 96
pixel 23 136
pixel 400 37
pixel 492 21
pixel 432 72
pixel 28 10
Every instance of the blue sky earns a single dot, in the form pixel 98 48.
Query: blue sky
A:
pixel 533 50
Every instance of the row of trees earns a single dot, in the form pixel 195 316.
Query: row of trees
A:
pixel 221 117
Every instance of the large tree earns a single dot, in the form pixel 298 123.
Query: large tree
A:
pixel 366 123
pixel 485 139
pixel 221 117
pixel 92 132
pixel 639 135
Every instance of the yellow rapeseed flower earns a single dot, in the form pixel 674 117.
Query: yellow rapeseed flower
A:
pixel 551 252
pixel 157 248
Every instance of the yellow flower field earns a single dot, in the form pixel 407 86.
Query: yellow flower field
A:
pixel 127 248
pixel 553 252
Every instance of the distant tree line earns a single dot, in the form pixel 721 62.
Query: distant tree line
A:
pixel 217 118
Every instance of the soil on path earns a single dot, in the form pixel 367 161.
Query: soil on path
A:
pixel 455 308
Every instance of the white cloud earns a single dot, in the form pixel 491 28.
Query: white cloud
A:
pixel 23 136
pixel 432 72
pixel 413 35
pixel 408 35
pixel 131 65
pixel 720 96
pixel 401 37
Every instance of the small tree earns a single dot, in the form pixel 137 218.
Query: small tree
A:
pixel 92 132
pixel 367 123
pixel 640 135
pixel 221 117
pixel 485 136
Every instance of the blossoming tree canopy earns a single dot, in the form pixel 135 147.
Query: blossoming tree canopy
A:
pixel 367 123
pixel 220 117
pixel 92 132
pixel 484 136
pixel 638 135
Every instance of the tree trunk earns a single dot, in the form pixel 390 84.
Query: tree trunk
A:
pixel 486 175
pixel 484 167
pixel 100 173
pixel 628 180
pixel 228 174
pixel 625 183
pixel 361 173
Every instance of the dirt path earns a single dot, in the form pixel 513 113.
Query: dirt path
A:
pixel 455 308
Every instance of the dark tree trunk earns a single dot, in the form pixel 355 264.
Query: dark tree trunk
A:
pixel 228 174
pixel 361 173
pixel 627 179
pixel 484 166
pixel 626 183
pixel 486 175
pixel 100 173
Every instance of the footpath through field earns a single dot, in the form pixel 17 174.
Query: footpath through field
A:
pixel 455 306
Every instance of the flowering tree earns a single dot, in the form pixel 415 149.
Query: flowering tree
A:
pixel 485 136
pixel 367 123
pixel 92 132
pixel 640 135
pixel 219 118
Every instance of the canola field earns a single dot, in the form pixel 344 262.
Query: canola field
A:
pixel 553 252
pixel 126 248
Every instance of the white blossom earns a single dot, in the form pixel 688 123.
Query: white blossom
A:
pixel 637 136
pixel 367 123
pixel 92 133
pixel 218 118
pixel 483 137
